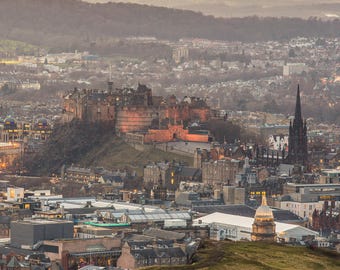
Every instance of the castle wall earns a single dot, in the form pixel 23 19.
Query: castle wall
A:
pixel 202 114
pixel 184 112
pixel 197 138
pixel 92 110
pixel 98 111
pixel 136 118
pixel 172 133
pixel 69 111
pixel 177 112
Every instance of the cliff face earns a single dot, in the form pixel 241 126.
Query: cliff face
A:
pixel 92 145
pixel 68 144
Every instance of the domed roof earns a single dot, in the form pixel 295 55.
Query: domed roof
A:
pixel 264 210
pixel 10 120
pixel 42 121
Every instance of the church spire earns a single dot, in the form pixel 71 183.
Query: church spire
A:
pixel 298 115
pixel 297 151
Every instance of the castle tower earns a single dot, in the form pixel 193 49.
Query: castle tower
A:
pixel 297 148
pixel 264 225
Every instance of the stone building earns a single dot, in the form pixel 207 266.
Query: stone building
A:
pixel 137 110
pixel 155 173
pixel 218 151
pixel 233 195
pixel 263 228
pixel 219 172
pixel 136 257
pixel 74 253
pixel 326 220
pixel 177 173
pixel 78 174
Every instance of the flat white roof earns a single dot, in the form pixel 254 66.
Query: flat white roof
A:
pixel 330 171
pixel 42 221
pixel 245 222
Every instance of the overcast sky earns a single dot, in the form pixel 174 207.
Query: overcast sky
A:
pixel 242 8
pixel 227 2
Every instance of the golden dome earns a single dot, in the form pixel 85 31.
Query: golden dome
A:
pixel 264 211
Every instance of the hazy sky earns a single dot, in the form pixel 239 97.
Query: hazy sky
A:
pixel 241 8
pixel 211 2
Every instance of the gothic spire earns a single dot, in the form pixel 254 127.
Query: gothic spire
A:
pixel 297 151
pixel 298 116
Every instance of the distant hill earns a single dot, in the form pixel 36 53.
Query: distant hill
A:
pixel 73 24
pixel 243 8
pixel 258 256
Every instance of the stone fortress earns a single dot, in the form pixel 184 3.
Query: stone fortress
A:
pixel 139 115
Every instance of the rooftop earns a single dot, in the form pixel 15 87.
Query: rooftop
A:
pixel 244 222
pixel 41 221
pixel 246 211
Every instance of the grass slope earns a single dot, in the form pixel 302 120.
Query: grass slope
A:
pixel 115 153
pixel 256 256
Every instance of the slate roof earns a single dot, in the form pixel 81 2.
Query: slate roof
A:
pixel 112 178
pixel 5 250
pixel 174 252
pixel 189 172
pixel 14 263
pixel 5 220
pixel 163 234
pixel 236 209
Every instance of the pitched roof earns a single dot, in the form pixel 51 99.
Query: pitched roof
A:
pixel 173 252
pixel 163 234
pixel 14 263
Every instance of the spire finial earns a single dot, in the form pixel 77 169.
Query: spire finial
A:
pixel 264 199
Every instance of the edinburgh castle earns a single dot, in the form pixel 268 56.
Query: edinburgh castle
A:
pixel 138 112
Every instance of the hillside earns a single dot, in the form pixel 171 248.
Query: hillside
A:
pixel 72 24
pixel 259 256
pixel 242 8
pixel 91 145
